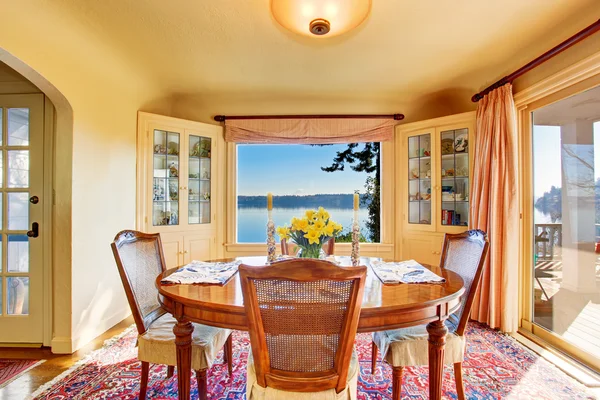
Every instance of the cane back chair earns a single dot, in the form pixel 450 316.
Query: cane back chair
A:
pixel 302 315
pixel 465 254
pixel 140 259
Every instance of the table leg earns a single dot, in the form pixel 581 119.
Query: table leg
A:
pixel 183 340
pixel 437 342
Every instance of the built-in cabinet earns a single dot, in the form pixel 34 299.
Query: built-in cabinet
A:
pixel 433 172
pixel 178 179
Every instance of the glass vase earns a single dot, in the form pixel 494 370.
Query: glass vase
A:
pixel 303 253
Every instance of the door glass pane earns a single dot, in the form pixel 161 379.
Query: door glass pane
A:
pixel 17 291
pixel 18 253
pixel 199 174
pixel 18 126
pixel 566 210
pixel 1 128
pixel 454 149
pixel 165 198
pixel 18 211
pixel 18 168
pixel 419 179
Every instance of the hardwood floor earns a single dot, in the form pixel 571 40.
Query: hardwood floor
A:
pixel 55 363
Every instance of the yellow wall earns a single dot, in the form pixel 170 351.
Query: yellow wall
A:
pixel 95 157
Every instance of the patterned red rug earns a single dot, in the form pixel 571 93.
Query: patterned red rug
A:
pixel 496 367
pixel 11 369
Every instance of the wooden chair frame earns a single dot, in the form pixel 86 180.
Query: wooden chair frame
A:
pixel 128 237
pixel 302 270
pixel 461 326
pixel 329 247
pixel 143 323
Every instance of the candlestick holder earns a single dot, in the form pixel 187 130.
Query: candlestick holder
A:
pixel 355 255
pixel 271 246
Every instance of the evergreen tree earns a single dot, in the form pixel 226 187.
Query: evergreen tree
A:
pixel 364 159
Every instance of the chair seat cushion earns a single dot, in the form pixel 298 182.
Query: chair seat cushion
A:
pixel 410 347
pixel 256 392
pixel 157 345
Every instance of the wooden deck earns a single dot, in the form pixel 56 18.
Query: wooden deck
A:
pixel 573 316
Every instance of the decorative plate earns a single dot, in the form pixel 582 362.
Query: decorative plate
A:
pixel 461 142
pixel 447 146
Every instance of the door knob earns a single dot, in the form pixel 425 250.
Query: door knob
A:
pixel 34 199
pixel 35 230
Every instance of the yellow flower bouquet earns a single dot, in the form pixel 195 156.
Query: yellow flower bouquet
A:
pixel 310 232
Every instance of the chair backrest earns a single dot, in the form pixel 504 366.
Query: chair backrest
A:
pixel 303 315
pixel 465 254
pixel 288 248
pixel 140 260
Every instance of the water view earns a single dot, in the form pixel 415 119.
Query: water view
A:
pixel 252 222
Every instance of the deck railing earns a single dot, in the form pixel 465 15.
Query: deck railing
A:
pixel 548 241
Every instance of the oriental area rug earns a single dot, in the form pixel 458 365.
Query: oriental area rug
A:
pixel 11 369
pixel 496 367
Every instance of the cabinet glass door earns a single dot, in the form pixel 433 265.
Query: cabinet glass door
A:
pixel 419 179
pixel 454 173
pixel 199 175
pixel 165 198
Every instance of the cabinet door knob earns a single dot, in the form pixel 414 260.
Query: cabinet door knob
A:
pixel 185 252
pixel 433 252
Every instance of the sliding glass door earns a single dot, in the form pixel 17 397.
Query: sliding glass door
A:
pixel 565 267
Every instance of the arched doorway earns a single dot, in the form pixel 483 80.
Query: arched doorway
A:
pixel 36 271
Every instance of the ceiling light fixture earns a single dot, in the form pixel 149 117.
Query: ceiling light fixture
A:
pixel 324 18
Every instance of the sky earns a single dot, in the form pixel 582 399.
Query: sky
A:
pixel 293 169
pixel 547 157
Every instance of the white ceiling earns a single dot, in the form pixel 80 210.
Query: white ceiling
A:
pixel 407 52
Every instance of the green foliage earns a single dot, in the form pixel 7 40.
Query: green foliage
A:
pixel 551 203
pixel 365 159
pixel 347 237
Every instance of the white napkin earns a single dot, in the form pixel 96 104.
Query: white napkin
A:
pixel 404 272
pixel 203 272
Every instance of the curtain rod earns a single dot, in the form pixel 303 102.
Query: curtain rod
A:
pixel 222 118
pixel 579 36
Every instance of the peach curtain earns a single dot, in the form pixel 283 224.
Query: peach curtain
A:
pixel 309 131
pixel 495 209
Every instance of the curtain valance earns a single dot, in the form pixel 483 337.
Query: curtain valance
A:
pixel 309 131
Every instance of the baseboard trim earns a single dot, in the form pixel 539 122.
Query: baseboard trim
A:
pixel 62 345
pixel 100 328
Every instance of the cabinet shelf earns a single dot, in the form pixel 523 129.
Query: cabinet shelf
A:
pixel 200 179
pixel 420 158
pixel 452 155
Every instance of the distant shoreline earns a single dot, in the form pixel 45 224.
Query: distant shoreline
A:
pixel 344 201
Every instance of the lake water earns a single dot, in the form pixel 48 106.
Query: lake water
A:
pixel 252 222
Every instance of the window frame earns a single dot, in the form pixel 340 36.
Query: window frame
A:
pixel 574 79
pixel 385 248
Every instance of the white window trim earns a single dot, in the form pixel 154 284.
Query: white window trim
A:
pixel 383 249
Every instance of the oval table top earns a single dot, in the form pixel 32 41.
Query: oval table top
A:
pixel 385 306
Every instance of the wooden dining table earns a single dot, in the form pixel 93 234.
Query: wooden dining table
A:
pixel 384 307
